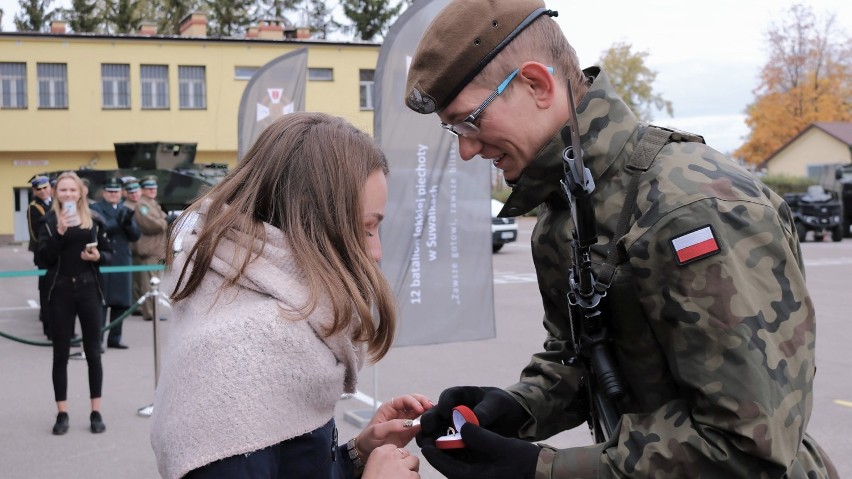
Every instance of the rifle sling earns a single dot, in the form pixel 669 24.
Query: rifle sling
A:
pixel 653 140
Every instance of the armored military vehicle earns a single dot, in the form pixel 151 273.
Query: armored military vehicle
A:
pixel 179 179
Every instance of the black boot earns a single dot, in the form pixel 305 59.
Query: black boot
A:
pixel 98 425
pixel 61 426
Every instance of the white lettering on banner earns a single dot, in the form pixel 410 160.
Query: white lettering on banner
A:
pixel 455 291
pixel 415 296
pixel 432 238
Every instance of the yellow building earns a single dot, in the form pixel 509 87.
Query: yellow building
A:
pixel 66 98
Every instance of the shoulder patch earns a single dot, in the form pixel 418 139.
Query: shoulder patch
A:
pixel 694 245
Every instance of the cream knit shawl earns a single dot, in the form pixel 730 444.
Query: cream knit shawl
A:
pixel 237 376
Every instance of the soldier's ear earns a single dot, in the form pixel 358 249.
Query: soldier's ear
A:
pixel 538 80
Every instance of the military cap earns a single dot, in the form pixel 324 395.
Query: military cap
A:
pixel 464 37
pixel 112 184
pixel 149 182
pixel 39 181
pixel 131 186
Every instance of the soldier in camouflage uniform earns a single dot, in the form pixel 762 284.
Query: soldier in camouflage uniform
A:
pixel 711 324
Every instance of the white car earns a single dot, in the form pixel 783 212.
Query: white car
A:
pixel 503 230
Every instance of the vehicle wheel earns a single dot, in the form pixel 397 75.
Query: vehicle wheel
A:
pixel 497 247
pixel 837 234
pixel 845 229
pixel 802 231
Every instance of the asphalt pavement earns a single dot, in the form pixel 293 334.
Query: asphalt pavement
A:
pixel 28 450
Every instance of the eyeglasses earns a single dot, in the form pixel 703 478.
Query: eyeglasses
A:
pixel 466 127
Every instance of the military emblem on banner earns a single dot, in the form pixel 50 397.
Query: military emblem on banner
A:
pixel 271 105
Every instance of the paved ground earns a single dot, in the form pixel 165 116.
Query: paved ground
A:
pixel 27 411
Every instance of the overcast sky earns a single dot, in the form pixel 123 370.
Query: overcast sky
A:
pixel 707 53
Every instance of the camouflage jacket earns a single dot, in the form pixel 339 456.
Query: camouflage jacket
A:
pixel 717 353
pixel 152 222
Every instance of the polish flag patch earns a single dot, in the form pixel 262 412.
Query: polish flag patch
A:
pixel 695 245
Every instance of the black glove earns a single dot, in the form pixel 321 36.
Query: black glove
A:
pixel 495 409
pixel 487 455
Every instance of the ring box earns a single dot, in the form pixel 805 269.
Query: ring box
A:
pixel 453 440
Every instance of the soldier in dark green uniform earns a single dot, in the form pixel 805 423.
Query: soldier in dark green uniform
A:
pixel 711 325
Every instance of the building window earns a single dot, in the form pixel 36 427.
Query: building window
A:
pixel 320 74
pixel 115 83
pixel 13 85
pixel 367 88
pixel 52 85
pixel 244 73
pixel 155 87
pixel 193 88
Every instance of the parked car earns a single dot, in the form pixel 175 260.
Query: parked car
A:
pixel 817 211
pixel 503 230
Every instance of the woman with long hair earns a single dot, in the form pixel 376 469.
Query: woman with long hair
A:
pixel 72 243
pixel 278 297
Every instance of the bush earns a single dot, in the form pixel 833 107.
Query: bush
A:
pixel 788 184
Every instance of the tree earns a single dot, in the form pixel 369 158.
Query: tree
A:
pixel 123 16
pixel 169 13
pixel 84 16
pixel 633 80
pixel 229 17
pixel 370 17
pixel 808 78
pixel 34 16
pixel 319 18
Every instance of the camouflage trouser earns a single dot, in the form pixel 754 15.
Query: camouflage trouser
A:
pixel 142 284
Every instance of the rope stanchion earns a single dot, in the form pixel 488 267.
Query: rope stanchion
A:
pixel 104 329
pixel 154 293
pixel 104 270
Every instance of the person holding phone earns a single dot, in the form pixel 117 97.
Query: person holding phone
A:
pixel 72 243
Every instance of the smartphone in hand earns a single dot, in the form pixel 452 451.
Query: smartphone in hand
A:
pixel 70 210
pixel 91 246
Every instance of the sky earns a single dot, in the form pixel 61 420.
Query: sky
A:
pixel 707 54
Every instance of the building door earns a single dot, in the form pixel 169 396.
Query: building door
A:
pixel 22 202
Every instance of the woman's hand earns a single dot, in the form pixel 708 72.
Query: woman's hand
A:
pixel 90 254
pixel 62 223
pixel 391 462
pixel 393 423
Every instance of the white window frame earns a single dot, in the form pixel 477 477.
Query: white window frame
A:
pixel 321 74
pixel 13 85
pixel 115 86
pixel 157 95
pixel 192 85
pixel 366 90
pixel 244 73
pixel 52 85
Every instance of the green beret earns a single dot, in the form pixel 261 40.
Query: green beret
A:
pixel 460 41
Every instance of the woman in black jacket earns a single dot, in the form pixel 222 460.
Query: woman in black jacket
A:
pixel 72 243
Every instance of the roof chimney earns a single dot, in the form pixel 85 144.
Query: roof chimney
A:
pixel 303 32
pixel 194 25
pixel 270 30
pixel 252 32
pixel 58 27
pixel 147 29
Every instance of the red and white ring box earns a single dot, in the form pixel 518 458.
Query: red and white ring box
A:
pixel 461 415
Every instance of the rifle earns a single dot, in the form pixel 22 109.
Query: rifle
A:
pixel 588 326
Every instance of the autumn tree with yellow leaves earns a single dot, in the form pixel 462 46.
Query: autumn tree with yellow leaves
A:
pixel 807 79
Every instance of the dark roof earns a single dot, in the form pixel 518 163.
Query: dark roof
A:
pixel 841 130
pixel 179 38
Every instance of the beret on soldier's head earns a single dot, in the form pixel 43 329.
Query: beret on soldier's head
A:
pixel 464 37
pixel 39 181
